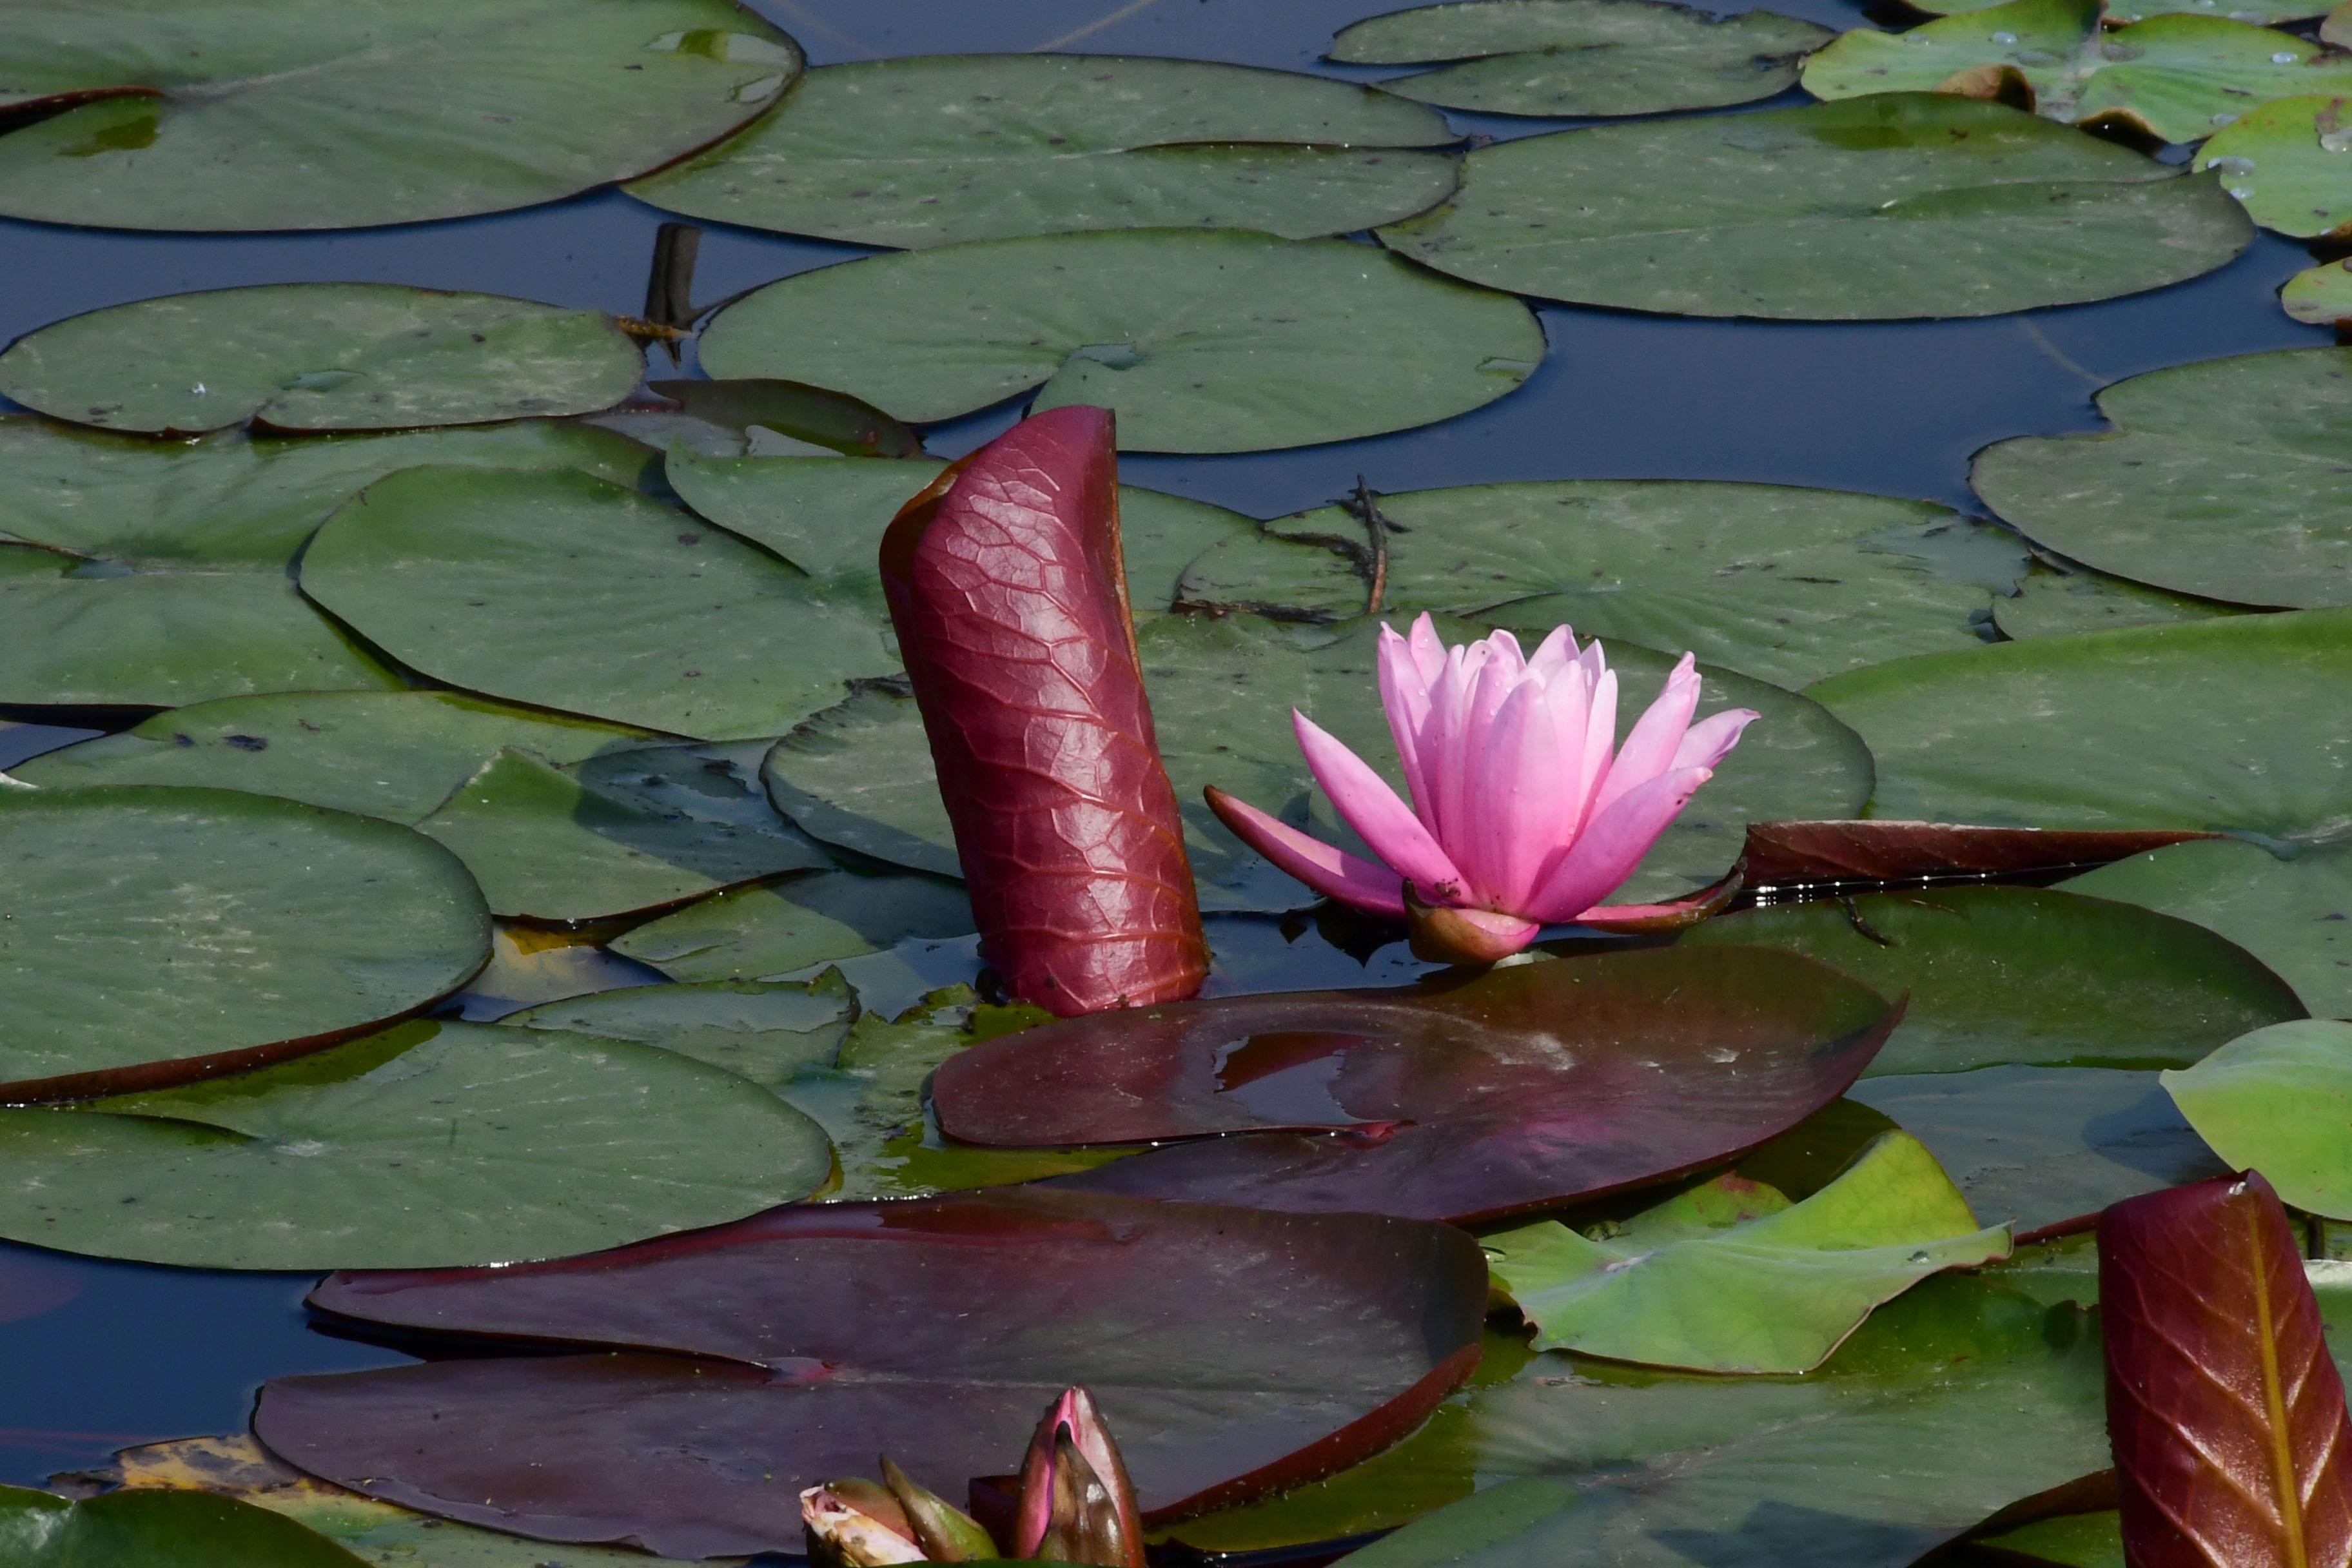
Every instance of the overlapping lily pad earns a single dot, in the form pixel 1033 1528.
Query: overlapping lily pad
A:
pixel 327 115
pixel 430 1144
pixel 2284 160
pixel 1733 1277
pixel 156 1530
pixel 1581 57
pixel 2277 1102
pixel 320 356
pixel 183 594
pixel 2259 12
pixel 768 1033
pixel 1222 690
pixel 2176 78
pixel 2321 296
pixel 1783 583
pixel 565 592
pixel 1233 1353
pixel 1220 341
pixel 2025 975
pixel 927 149
pixel 2295 914
pixel 2038 1146
pixel 777 929
pixel 1521 1089
pixel 827 517
pixel 2048 603
pixel 1894 206
pixel 2205 486
pixel 155 935
pixel 2202 724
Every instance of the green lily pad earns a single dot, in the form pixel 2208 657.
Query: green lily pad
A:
pixel 2051 603
pixel 2295 915
pixel 1897 206
pixel 155 1529
pixel 530 964
pixel 1782 584
pixel 768 1033
pixel 2070 1539
pixel 2277 1100
pixel 826 518
pixel 2025 975
pixel 562 591
pixel 1766 1287
pixel 184 596
pixel 929 149
pixel 1219 341
pixel 2263 13
pixel 154 935
pixel 321 115
pixel 2201 725
pixel 429 1144
pixel 320 356
pixel 2174 77
pixel 1222 690
pixel 2039 1145
pixel 777 929
pixel 1581 57
pixel 2204 488
pixel 623 833
pixel 2320 296
pixel 393 754
pixel 2284 160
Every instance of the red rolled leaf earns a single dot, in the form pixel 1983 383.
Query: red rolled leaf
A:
pixel 1008 591
pixel 2233 1449
pixel 1894 851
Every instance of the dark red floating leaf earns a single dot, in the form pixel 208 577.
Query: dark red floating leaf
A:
pixel 1234 1352
pixel 1008 591
pixel 1782 852
pixel 1522 1089
pixel 2227 1416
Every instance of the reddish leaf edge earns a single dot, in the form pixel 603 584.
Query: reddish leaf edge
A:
pixel 1874 850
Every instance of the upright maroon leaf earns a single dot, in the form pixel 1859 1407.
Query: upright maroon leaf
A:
pixel 2233 1449
pixel 1875 851
pixel 1006 586
pixel 1234 1352
pixel 1519 1090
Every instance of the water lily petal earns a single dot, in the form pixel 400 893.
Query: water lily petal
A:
pixel 1428 649
pixel 1367 803
pixel 1650 748
pixel 1600 746
pixel 1612 845
pixel 1441 748
pixel 1710 739
pixel 1404 697
pixel 1554 654
pixel 1471 830
pixel 1526 808
pixel 1334 873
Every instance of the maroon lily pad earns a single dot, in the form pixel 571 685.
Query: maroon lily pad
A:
pixel 1234 1352
pixel 1874 851
pixel 1522 1089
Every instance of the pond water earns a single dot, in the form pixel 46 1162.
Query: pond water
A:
pixel 102 1354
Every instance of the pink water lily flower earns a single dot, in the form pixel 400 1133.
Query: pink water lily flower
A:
pixel 1523 813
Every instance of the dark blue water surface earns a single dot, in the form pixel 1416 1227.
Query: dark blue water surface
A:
pixel 95 1356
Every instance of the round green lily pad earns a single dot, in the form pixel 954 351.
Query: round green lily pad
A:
pixel 185 594
pixel 929 149
pixel 2277 1102
pixel 2206 485
pixel 144 1528
pixel 2049 603
pixel 2286 162
pixel 154 935
pixel 2202 724
pixel 2295 914
pixel 1218 341
pixel 1581 57
pixel 213 115
pixel 2176 78
pixel 565 592
pixel 1900 205
pixel 827 517
pixel 1783 583
pixel 2321 295
pixel 432 1144
pixel 776 929
pixel 320 356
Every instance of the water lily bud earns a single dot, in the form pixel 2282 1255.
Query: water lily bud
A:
pixel 1076 1502
pixel 856 1525
pixel 944 1532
